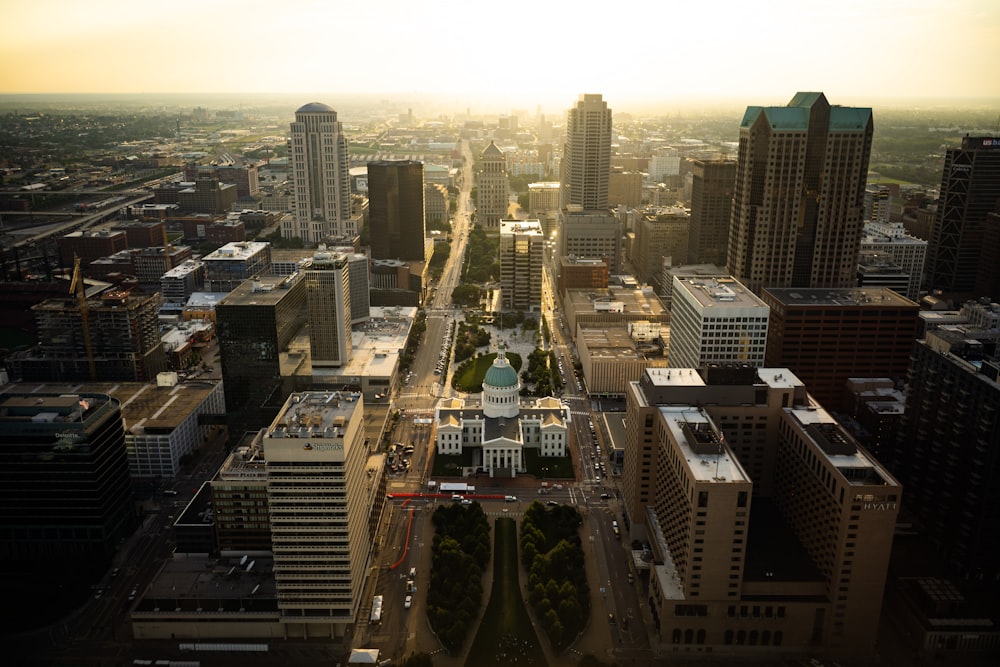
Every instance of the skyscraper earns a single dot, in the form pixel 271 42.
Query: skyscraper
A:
pixel 320 178
pixel 586 160
pixel 492 189
pixel 711 205
pixel 255 323
pixel 970 191
pixel 328 302
pixel 522 253
pixel 325 496
pixel 798 203
pixel 396 209
pixel 716 320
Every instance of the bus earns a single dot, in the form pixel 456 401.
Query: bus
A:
pixel 376 617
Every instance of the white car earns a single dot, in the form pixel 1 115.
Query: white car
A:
pixel 408 602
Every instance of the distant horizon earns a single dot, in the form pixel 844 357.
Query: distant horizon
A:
pixel 479 104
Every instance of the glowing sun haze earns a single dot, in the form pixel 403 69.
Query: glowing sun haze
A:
pixel 516 50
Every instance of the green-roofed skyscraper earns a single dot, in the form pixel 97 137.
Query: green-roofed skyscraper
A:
pixel 798 203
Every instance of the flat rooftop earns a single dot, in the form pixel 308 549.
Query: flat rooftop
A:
pixel 144 406
pixel 847 296
pixel 708 457
pixel 717 291
pixel 262 291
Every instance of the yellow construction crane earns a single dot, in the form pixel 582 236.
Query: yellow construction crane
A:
pixel 76 286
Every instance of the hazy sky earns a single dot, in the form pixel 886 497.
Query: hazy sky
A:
pixel 525 51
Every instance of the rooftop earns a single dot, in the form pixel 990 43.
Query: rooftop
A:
pixel 847 296
pixel 708 457
pixel 712 291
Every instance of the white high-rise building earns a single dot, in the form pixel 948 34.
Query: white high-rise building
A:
pixel 907 252
pixel 319 173
pixel 324 497
pixel 586 160
pixel 716 320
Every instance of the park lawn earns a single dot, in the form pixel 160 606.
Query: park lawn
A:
pixel 470 380
pixel 506 627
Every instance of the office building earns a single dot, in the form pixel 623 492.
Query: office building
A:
pixel 492 189
pixel 768 525
pixel 614 354
pixel 580 273
pixel 970 190
pixel 625 188
pixel 878 204
pixel 826 336
pixel 436 204
pixel 328 303
pixel 179 283
pixel 522 254
pixel 396 210
pixel 590 235
pixel 152 263
pixel 65 493
pixel 295 513
pixel 89 246
pixel 798 202
pixel 665 165
pixel 254 325
pixel 661 234
pixel 586 160
pixel 319 173
pixel 234 263
pixel 716 320
pixel 712 183
pixel 891 240
pixel 946 451
pixel 324 501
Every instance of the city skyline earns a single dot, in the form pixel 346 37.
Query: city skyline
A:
pixel 113 47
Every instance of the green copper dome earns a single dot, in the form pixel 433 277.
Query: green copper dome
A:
pixel 500 374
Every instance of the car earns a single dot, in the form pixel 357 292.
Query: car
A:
pixel 510 499
pixel 99 593
pixel 455 496
pixel 551 503
pixel 466 501
pixel 630 577
pixel 169 492
pixel 413 573
pixel 408 602
pixel 605 496
pixel 597 478
pixel 611 619
pixel 131 596
pixel 114 572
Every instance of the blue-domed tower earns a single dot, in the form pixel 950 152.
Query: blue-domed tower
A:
pixel 501 387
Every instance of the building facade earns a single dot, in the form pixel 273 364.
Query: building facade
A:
pixel 396 210
pixel 522 255
pixel 254 325
pixel 660 234
pixel 492 189
pixel 590 235
pixel 328 302
pixel 712 184
pixel 714 497
pixel 826 336
pixel 970 190
pixel 907 252
pixel 65 492
pixel 319 173
pixel 586 160
pixel 324 501
pixel 798 202
pixel 716 320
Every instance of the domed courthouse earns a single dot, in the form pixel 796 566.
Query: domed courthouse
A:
pixel 499 429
